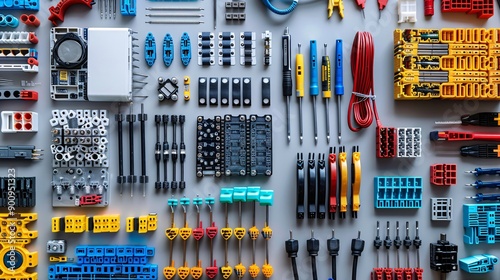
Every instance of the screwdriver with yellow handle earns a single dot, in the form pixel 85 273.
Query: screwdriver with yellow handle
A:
pixel 488 119
pixel 299 87
pixel 326 88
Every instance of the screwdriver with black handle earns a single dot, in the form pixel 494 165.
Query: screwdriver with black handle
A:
pixel 287 75
pixel 326 88
pixel 489 119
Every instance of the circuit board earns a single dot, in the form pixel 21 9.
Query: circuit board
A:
pixel 235 145
pixel 80 158
pixel 208 149
pixel 261 148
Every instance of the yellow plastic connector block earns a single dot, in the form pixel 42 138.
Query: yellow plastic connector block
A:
pixel 239 233
pixel 185 232
pixel 14 231
pixel 58 259
pixel 169 271
pixel 267 270
pixel 240 270
pixel 254 270
pixel 172 233
pixel 356 183
pixel 267 232
pixel 253 232
pixel 183 271
pixel 197 271
pixel 335 3
pixel 75 224
pixel 226 271
pixel 142 224
pixel 104 223
pixel 226 233
pixel 187 91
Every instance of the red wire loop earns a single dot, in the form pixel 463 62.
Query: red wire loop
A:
pixel 362 108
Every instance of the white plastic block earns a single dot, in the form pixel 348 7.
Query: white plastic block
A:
pixel 407 11
pixel 19 121
pixel 441 209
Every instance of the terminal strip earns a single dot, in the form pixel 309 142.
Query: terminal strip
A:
pixel 227 54
pixel 79 149
pixel 247 49
pixel 480 223
pixel 20 152
pixel 206 45
pixel 16 259
pixel 18 191
pixel 82 223
pixel 448 63
pixel 234 145
pixel 129 262
pixel 142 224
pixel 398 192
pixel 18 94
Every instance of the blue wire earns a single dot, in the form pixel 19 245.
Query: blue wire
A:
pixel 275 10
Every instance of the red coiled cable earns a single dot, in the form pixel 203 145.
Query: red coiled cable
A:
pixel 362 108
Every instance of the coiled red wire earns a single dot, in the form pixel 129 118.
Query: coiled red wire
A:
pixel 362 109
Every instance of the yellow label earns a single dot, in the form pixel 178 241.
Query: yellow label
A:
pixel 63 75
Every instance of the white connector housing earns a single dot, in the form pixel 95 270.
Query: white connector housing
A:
pixel 19 121
pixel 407 11
pixel 409 142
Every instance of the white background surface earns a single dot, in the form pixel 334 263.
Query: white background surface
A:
pixel 307 22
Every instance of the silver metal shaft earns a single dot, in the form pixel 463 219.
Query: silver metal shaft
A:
pixel 448 122
pixel 215 14
pixel 339 114
pixel 327 104
pixel 174 15
pixel 174 22
pixel 288 117
pixel 174 9
pixel 301 123
pixel 315 122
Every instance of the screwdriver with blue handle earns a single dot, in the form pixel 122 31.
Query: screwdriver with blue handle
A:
pixel 339 82
pixel 479 197
pixel 488 119
pixel 326 88
pixel 313 83
pixel 484 171
pixel 482 185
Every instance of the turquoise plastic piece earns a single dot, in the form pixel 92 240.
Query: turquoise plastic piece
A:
pixel 481 223
pixel 128 7
pixel 240 194
pixel 266 197
pixel 168 50
pixel 398 192
pixel 172 202
pixel 226 195
pixel 197 201
pixel 150 49
pixel 210 200
pixel 253 193
pixel 185 201
pixel 478 264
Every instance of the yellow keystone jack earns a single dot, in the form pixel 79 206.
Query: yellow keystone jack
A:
pixel 343 181
pixel 197 271
pixel 58 259
pixel 169 271
pixel 335 3
pixel 356 184
pixel 187 91
pixel 183 271
pixel 226 271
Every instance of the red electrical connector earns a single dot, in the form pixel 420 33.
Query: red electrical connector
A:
pixel 386 143
pixel 213 270
pixel 32 38
pixel 28 95
pixel 381 6
pixel 91 199
pixel 444 174
pixel 332 163
pixel 483 8
pixel 57 12
pixel 462 136
pixel 429 7
pixel 30 20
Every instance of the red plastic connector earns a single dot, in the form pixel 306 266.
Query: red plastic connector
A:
pixel 377 274
pixel 332 167
pixel 408 272
pixel 32 38
pixel 28 95
pixel 398 272
pixel 198 232
pixel 428 8
pixel 91 199
pixel 388 273
pixel 444 174
pixel 386 142
pixel 462 136
pixel 419 272
pixel 483 8
pixel 212 271
pixel 30 20
pixel 57 12
pixel 32 61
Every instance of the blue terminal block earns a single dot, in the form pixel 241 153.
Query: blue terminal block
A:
pixel 128 7
pixel 168 50
pixel 107 262
pixel 478 264
pixel 481 223
pixel 253 193
pixel 398 192
pixel 226 195
pixel 240 194
pixel 266 197
pixel 150 49
pixel 185 49
pixel 30 5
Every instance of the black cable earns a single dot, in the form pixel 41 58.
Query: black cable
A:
pixel 294 268
pixel 292 247
pixel 357 247
pixel 333 246
pixel 334 267
pixel 313 248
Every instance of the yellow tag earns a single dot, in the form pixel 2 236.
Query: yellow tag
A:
pixel 63 75
pixel 226 271
pixel 185 233
pixel 267 270
pixel 196 272
pixel 239 233
pixel 226 233
pixel 171 233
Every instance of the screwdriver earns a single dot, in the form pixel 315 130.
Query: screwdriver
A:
pixel 381 6
pixel 287 75
pixel 326 87
pixel 485 197
pixel 484 171
pixel 490 119
pixel 482 185
pixel 313 84
pixel 299 88
pixel 339 83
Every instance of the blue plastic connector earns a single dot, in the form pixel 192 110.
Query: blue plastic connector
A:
pixel 253 193
pixel 30 5
pixel 210 200
pixel 398 192
pixel 339 69
pixel 172 202
pixel 128 7
pixel 226 195
pixel 478 264
pixel 185 201
pixel 197 200
pixel 313 59
pixel 480 223
pixel 266 197
pixel 168 50
pixel 9 21
pixel 185 49
pixel 150 49
pixel 239 194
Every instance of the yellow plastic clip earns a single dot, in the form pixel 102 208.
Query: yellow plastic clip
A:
pixel 58 259
pixel 253 232
pixel 226 271
pixel 343 181
pixel 240 233
pixel 356 182
pixel 226 233
pixel 169 271
pixel 267 270
pixel 197 271
pixel 335 3
pixel 267 232
pixel 187 91
pixel 185 232
pixel 254 270
pixel 240 270
pixel 172 233
pixel 183 271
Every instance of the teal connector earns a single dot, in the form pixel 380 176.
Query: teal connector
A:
pixel 266 197
pixel 253 193
pixel 478 264
pixel 226 195
pixel 240 194
pixel 197 200
pixel 313 88
pixel 172 202
pixel 210 200
pixel 185 201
